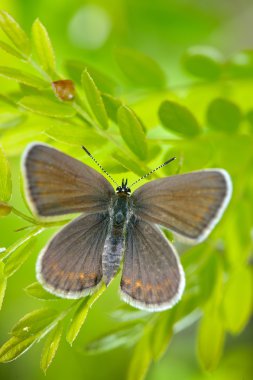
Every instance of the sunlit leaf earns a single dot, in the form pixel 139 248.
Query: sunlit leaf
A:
pixel 238 297
pixel 5 178
pixel 132 132
pixel 178 118
pixel 103 81
pixel 15 347
pixel 126 314
pixel 43 47
pixel 125 335
pixel 203 62
pixel 10 120
pixel 16 139
pixel 47 107
pixel 22 77
pixel 75 135
pixel 10 50
pixel 112 105
pixel 19 257
pixel 3 283
pixel 128 163
pixel 94 98
pixel 18 243
pixel 34 322
pixel 223 115
pixel 36 290
pixel 15 33
pixel 50 347
pixel 81 314
pixel 240 65
pixel 141 359
pixel 140 69
pixel 5 209
pixel 210 340
pixel 161 335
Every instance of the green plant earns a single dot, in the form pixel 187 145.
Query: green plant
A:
pixel 204 123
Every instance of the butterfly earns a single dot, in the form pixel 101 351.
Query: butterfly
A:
pixel 117 226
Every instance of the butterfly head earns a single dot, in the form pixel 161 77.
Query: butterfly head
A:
pixel 123 189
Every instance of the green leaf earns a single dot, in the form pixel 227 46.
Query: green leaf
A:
pixel 95 100
pixel 237 301
pixel 81 314
pixel 11 249
pixel 103 82
pixel 5 178
pixel 178 118
pixel 36 290
pixel 15 347
pixel 125 335
pixel 132 132
pixel 112 105
pixel 128 163
pixel 34 322
pixel 140 69
pixel 141 359
pixel 5 209
pixel 203 62
pixel 19 256
pixel 23 77
pixel 43 47
pixel 223 115
pixel 161 335
pixel 10 50
pixel 50 347
pixel 15 33
pixel 3 283
pixel 240 65
pixel 75 135
pixel 210 340
pixel 47 107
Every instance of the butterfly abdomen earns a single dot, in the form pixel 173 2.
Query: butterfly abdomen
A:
pixel 115 241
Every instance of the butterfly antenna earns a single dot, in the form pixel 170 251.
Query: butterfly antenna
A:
pixel 98 164
pixel 152 171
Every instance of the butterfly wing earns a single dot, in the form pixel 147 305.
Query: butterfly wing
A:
pixel 189 204
pixel 152 276
pixel 71 264
pixel 58 184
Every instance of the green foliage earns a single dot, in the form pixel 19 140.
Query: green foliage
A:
pixel 5 178
pixel 224 115
pixel 178 119
pixel 140 69
pixel 203 62
pixel 50 347
pixel 94 98
pixel 43 48
pixel 134 131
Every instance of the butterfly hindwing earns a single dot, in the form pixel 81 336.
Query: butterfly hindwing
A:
pixel 152 276
pixel 71 264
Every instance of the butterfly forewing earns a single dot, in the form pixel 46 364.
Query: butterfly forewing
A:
pixel 58 184
pixel 188 204
pixel 152 277
pixel 71 264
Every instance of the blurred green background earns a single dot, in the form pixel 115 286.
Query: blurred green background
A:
pixel 168 31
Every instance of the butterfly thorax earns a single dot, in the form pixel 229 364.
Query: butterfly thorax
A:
pixel 114 244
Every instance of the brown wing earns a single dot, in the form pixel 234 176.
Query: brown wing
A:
pixel 188 204
pixel 58 184
pixel 71 264
pixel 152 277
